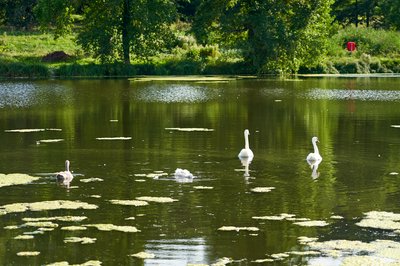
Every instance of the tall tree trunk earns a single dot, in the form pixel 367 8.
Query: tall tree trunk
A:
pixel 125 32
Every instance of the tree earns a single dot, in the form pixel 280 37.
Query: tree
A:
pixel 17 13
pixel 115 29
pixel 390 10
pixel 275 36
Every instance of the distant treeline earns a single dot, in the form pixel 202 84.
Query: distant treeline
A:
pixel 261 36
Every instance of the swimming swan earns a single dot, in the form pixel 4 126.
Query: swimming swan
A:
pixel 65 176
pixel 314 156
pixel 246 152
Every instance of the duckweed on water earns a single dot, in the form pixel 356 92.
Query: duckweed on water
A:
pixel 281 216
pixel 56 218
pixel 16 179
pixel 73 228
pixel 188 129
pixel 65 263
pixel 202 187
pixel 111 227
pixel 82 240
pixel 237 229
pixel 381 220
pixel 94 179
pixel 312 223
pixel 262 189
pixel 157 199
pixel 28 253
pixel 143 255
pixel 46 206
pixel 135 203
pixel 24 237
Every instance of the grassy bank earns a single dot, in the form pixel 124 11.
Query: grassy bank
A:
pixel 21 55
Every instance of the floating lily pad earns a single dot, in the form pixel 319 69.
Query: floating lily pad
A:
pixel 46 206
pixel 157 199
pixel 143 255
pixel 130 202
pixel 312 223
pixel 16 179
pixel 93 179
pixel 189 129
pixel 262 189
pixel 28 253
pixel 237 229
pixel 82 240
pixel 111 227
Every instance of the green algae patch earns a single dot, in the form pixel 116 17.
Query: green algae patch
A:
pixel 262 189
pixel 65 263
pixel 222 262
pixel 143 255
pixel 28 253
pixel 46 206
pixel 111 227
pixel 82 240
pixel 56 218
pixel 237 229
pixel 135 203
pixel 312 223
pixel 385 250
pixel 24 237
pixel 94 179
pixel 192 129
pixel 203 187
pixel 73 228
pixel 279 217
pixel 381 220
pixel 40 224
pixel 16 179
pixel 157 199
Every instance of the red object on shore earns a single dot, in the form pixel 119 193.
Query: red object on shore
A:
pixel 351 46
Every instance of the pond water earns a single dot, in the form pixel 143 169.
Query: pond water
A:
pixel 126 138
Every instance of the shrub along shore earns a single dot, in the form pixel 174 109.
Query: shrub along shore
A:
pixel 23 55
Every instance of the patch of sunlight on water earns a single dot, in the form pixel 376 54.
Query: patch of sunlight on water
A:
pixel 176 251
pixel 175 93
pixel 364 95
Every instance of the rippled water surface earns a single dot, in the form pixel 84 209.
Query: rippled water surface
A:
pixel 126 138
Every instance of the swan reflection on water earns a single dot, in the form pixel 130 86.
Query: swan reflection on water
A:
pixel 246 162
pixel 314 167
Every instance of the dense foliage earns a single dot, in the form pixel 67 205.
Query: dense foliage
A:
pixel 261 36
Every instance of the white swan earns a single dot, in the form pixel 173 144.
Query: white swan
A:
pixel 183 176
pixel 314 156
pixel 65 176
pixel 246 152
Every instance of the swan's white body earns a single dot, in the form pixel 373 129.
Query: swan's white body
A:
pixel 246 152
pixel 65 176
pixel 183 176
pixel 314 156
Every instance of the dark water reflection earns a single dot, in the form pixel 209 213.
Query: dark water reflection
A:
pixel 351 117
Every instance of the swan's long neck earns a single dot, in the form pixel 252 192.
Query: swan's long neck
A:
pixel 67 166
pixel 246 141
pixel 316 151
